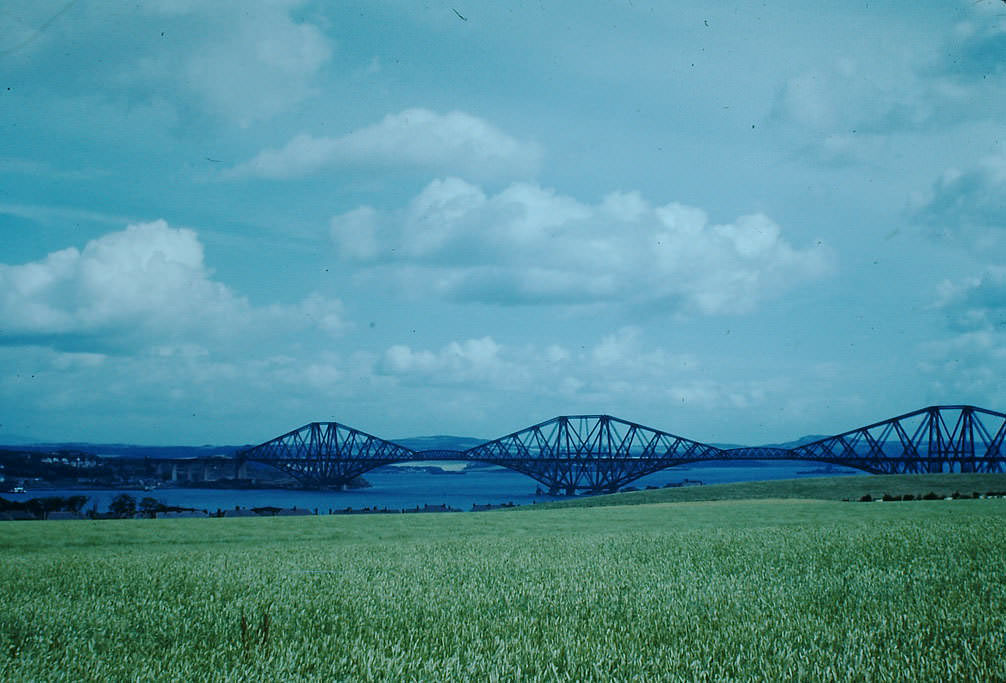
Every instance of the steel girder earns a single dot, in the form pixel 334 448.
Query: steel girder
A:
pixel 589 452
pixel 604 453
pixel 758 453
pixel 326 453
pixel 934 439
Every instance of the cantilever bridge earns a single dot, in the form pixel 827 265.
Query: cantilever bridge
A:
pixel 604 453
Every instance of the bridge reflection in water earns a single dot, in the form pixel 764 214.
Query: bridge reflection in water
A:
pixel 599 453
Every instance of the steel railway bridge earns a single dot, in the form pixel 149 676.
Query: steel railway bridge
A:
pixel 601 453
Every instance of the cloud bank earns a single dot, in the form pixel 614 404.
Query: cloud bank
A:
pixel 528 245
pixel 254 61
pixel 968 200
pixel 970 363
pixel 142 286
pixel 455 142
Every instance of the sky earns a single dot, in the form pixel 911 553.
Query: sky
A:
pixel 737 221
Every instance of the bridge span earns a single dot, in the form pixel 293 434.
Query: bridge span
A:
pixel 601 453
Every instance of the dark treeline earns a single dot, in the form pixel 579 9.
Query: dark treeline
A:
pixel 932 495
pixel 41 507
pixel 122 506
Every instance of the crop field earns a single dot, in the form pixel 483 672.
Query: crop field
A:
pixel 818 488
pixel 767 589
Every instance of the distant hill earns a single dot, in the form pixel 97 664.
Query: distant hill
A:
pixel 16 440
pixel 417 443
pixel 439 442
pixel 817 488
pixel 131 450
pixel 810 438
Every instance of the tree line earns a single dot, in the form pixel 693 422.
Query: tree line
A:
pixel 122 506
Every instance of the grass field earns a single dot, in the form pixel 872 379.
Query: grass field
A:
pixel 769 589
pixel 821 488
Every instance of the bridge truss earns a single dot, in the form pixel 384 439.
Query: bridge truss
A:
pixel 934 439
pixel 603 453
pixel 591 452
pixel 326 453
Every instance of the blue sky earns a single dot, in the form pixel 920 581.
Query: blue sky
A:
pixel 736 221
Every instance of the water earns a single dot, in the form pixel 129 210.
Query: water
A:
pixel 404 490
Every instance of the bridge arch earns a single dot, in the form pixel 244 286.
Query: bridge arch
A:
pixel 603 453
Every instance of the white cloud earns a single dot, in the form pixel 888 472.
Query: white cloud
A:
pixel 976 303
pixel 242 62
pixel 849 107
pixel 474 386
pixel 142 286
pixel 325 314
pixel 264 66
pixel 969 365
pixel 455 142
pixel 469 362
pixel 969 201
pixel 529 245
pixel 969 368
pixel 624 350
pixel 619 369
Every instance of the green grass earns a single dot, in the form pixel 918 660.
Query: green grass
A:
pixel 770 589
pixel 818 488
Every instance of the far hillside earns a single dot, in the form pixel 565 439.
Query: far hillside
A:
pixel 820 488
pixel 803 440
pixel 123 450
pixel 439 442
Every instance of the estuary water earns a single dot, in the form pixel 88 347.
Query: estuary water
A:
pixel 411 489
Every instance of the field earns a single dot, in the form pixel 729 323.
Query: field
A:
pixel 818 488
pixel 769 589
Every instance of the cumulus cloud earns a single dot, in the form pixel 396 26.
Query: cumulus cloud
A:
pixel 848 97
pixel 145 285
pixel 976 303
pixel 970 363
pixel 967 200
pixel 968 367
pixel 846 107
pixel 618 369
pixel 475 386
pixel 264 66
pixel 241 62
pixel 469 362
pixel 454 142
pixel 530 245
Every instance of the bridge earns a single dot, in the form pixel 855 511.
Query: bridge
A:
pixel 601 453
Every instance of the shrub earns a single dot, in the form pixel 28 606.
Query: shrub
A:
pixel 123 505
